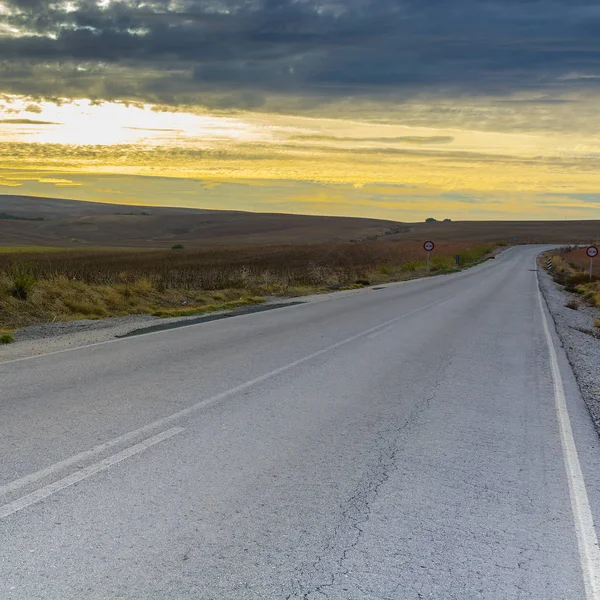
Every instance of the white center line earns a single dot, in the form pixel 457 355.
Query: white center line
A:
pixel 589 552
pixel 372 336
pixel 61 484
pixel 168 420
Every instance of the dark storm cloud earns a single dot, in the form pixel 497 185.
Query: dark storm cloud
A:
pixel 233 53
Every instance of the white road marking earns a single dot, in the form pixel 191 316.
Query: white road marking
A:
pixel 78 458
pixel 103 465
pixel 589 552
pixel 165 421
pixel 372 336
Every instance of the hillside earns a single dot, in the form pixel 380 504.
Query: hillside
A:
pixel 534 232
pixel 68 223
pixel 73 223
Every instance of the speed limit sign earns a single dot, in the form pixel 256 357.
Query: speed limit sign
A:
pixel 429 246
pixel 592 252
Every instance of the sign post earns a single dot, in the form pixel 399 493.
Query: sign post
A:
pixel 428 246
pixel 592 252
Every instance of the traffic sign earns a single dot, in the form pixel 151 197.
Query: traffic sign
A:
pixel 429 246
pixel 592 252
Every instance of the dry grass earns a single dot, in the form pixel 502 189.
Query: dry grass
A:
pixel 570 267
pixel 188 311
pixel 58 286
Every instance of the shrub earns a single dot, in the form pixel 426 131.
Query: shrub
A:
pixel 572 305
pixel 6 338
pixel 177 247
pixel 23 281
pixel 142 285
pixel 411 265
pixel 579 278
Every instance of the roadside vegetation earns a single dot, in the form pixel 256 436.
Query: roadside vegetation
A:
pixel 571 268
pixel 50 286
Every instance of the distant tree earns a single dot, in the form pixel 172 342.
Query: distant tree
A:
pixel 177 247
pixel 430 220
pixel 447 220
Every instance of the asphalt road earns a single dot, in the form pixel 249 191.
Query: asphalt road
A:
pixel 426 440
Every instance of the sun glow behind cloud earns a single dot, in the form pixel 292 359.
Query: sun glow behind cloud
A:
pixel 83 122
pixel 470 172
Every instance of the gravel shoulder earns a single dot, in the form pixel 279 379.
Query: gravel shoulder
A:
pixel 45 338
pixel 580 339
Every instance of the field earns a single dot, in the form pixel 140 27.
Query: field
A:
pixel 64 260
pixel 56 286
pixel 73 224
pixel 571 268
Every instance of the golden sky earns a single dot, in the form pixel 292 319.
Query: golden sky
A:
pixel 102 151
pixel 400 110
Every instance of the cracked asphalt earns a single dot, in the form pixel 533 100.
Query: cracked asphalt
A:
pixel 397 444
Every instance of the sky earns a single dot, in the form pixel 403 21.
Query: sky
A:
pixel 396 109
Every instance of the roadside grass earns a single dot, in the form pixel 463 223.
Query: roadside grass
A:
pixel 570 268
pixel 61 299
pixel 213 307
pixel 6 336
pixel 92 284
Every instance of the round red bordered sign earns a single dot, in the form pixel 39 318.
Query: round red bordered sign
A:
pixel 429 246
pixel 592 251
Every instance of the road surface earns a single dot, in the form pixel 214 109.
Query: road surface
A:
pixel 425 440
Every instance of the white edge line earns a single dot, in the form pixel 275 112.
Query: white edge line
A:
pixel 589 552
pixel 33 477
pixel 103 465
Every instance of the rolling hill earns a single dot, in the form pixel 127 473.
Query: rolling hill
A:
pixel 27 221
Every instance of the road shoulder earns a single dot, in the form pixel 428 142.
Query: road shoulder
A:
pixel 579 337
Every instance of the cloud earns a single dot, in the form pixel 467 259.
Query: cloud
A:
pixel 33 108
pixel 406 139
pixel 26 122
pixel 150 129
pixel 587 198
pixel 233 54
